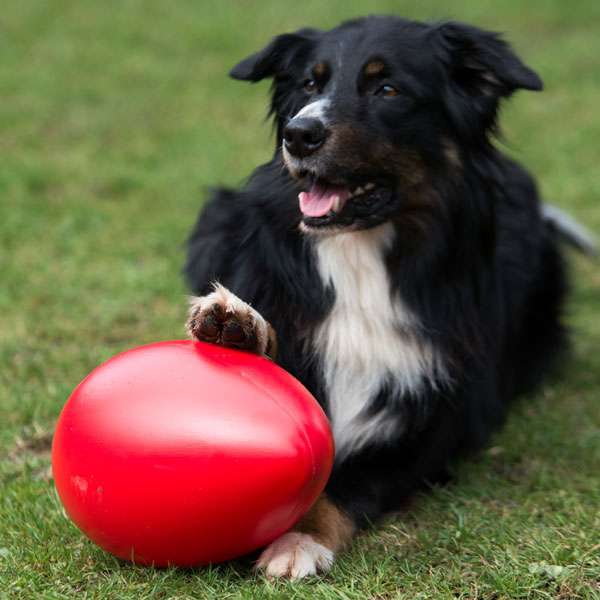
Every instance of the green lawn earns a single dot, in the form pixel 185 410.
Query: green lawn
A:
pixel 114 117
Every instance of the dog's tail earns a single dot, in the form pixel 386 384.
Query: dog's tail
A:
pixel 570 230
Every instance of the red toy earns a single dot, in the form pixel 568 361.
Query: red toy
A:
pixel 186 453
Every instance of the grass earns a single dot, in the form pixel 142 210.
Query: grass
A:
pixel 114 117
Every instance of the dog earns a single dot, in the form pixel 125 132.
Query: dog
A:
pixel 389 256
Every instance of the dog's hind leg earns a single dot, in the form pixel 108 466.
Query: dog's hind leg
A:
pixel 222 318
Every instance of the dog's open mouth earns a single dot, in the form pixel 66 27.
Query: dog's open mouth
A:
pixel 326 204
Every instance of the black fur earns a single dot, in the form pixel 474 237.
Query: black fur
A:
pixel 473 259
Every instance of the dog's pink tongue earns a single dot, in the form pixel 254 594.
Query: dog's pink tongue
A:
pixel 319 200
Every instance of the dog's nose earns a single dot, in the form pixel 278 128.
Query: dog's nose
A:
pixel 303 136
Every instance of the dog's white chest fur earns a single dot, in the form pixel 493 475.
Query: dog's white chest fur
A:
pixel 368 340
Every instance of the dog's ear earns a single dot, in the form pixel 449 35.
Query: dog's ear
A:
pixel 481 68
pixel 275 58
pixel 483 63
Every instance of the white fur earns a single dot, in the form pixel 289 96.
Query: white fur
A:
pixel 314 110
pixel 369 338
pixel 295 555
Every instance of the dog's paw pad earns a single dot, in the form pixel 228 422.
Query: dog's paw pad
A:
pixel 206 326
pixel 222 318
pixel 295 555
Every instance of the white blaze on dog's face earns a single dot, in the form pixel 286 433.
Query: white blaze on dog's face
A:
pixel 314 110
pixel 370 114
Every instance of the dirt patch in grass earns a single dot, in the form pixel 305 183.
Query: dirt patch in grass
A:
pixel 34 439
pixel 30 453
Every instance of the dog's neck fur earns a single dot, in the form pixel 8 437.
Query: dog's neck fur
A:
pixel 369 341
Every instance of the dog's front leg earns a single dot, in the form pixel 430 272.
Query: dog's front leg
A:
pixel 222 318
pixel 311 545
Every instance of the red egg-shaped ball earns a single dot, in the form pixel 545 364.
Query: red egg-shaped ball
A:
pixel 184 453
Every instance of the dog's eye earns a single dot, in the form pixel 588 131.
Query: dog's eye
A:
pixel 387 91
pixel 310 85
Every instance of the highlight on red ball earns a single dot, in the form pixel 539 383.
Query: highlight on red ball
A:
pixel 184 453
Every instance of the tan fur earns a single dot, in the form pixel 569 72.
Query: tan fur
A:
pixel 346 147
pixel 271 350
pixel 375 67
pixel 327 524
pixel 320 69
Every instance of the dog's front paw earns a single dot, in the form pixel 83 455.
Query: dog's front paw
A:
pixel 222 318
pixel 295 555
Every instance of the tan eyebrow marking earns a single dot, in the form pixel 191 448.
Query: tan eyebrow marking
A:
pixel 320 69
pixel 375 67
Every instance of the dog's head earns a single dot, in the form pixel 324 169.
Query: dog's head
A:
pixel 369 112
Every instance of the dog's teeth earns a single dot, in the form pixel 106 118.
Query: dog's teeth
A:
pixel 336 203
pixel 358 191
pixel 369 186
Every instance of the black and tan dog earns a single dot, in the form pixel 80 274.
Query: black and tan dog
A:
pixel 389 256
